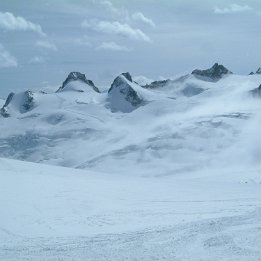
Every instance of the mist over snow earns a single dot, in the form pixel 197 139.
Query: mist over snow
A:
pixel 129 130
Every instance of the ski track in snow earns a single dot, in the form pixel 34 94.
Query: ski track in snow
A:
pixel 227 238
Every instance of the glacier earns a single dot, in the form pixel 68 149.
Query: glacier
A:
pixel 165 171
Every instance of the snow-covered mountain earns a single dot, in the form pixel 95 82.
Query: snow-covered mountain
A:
pixel 169 126
pixel 77 82
pixel 215 73
pixel 165 171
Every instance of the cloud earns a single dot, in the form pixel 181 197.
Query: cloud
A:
pixel 36 60
pixel 17 23
pixel 122 12
pixel 110 7
pixel 46 45
pixel 116 28
pixel 140 17
pixel 112 46
pixel 233 8
pixel 6 59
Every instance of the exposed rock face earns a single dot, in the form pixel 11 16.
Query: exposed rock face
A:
pixel 215 73
pixel 77 76
pixel 127 76
pixel 24 102
pixel 157 84
pixel 4 110
pixel 122 95
pixel 256 92
pixel 28 102
pixel 164 83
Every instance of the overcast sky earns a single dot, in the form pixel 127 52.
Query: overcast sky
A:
pixel 42 41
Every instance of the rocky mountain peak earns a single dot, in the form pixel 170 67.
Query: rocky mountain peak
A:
pixel 215 73
pixel 127 76
pixel 122 94
pixel 77 76
pixel 122 79
pixel 157 84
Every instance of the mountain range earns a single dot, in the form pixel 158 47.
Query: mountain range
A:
pixel 199 119
pixel 169 170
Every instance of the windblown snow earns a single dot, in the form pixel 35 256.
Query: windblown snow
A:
pixel 166 171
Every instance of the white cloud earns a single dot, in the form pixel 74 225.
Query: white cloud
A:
pixel 116 28
pixel 140 17
pixel 112 46
pixel 233 8
pixel 17 23
pixel 6 59
pixel 110 7
pixel 121 12
pixel 36 60
pixel 46 45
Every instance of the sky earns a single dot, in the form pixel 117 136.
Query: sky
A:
pixel 42 41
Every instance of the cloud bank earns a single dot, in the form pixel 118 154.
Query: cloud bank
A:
pixel 140 17
pixel 233 8
pixel 116 28
pixel 17 23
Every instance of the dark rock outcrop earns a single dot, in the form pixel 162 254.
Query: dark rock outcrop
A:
pixel 122 95
pixel 25 103
pixel 167 82
pixel 157 84
pixel 28 103
pixel 215 73
pixel 4 110
pixel 77 76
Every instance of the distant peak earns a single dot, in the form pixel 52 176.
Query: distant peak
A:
pixel 123 94
pixel 127 76
pixel 216 72
pixel 121 79
pixel 77 76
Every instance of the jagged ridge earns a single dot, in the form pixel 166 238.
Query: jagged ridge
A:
pixel 215 73
pixel 77 76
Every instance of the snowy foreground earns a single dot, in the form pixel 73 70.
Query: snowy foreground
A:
pixel 56 213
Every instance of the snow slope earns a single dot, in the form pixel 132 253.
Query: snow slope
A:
pixel 175 176
pixel 169 132
pixel 55 213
